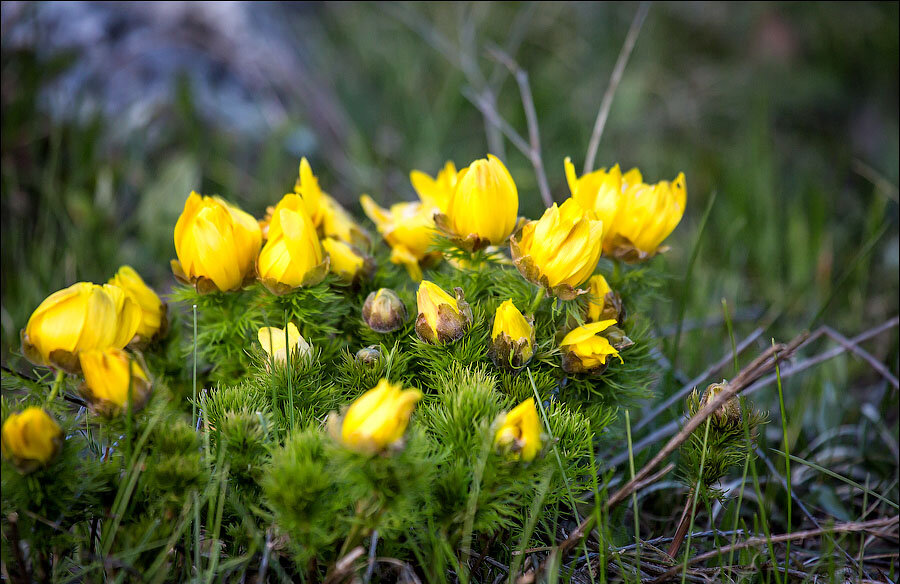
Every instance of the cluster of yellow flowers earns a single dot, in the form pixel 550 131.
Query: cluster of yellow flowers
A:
pixel 86 327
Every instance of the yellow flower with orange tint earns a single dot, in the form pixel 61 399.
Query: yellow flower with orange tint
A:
pixel 30 439
pixel 109 376
pixel 560 250
pixel 520 431
pixel 377 419
pixel 292 256
pixel 585 350
pixel 81 317
pixel 441 317
pixel 216 244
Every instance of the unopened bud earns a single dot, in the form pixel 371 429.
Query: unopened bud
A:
pixel 383 311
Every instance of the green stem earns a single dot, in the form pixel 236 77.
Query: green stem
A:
pixel 57 383
pixel 537 301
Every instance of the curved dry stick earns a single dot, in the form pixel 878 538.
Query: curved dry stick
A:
pixel 756 369
pixel 849 527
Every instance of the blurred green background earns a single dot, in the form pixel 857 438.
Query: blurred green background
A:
pixel 788 113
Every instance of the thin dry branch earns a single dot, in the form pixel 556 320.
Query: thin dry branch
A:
pixel 615 78
pixel 756 369
pixel 849 527
pixel 534 135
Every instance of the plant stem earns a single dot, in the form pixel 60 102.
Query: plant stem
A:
pixel 537 301
pixel 57 383
pixel 683 525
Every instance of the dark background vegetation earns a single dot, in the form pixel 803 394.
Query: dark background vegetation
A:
pixel 786 113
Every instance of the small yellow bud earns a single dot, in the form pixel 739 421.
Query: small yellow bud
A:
pixel 31 439
pixel 275 342
pixel 512 339
pixel 153 311
pixel 292 256
pixel 109 376
pixel 604 303
pixel 377 419
pixel 520 431
pixel 383 311
pixel 216 244
pixel 484 206
pixel 81 317
pixel 585 350
pixel 441 317
pixel 560 250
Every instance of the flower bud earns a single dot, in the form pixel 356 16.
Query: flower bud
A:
pixel 520 431
pixel 154 322
pixel 560 250
pixel 275 342
pixel 377 419
pixel 585 350
pixel 728 413
pixel 383 311
pixel 292 256
pixel 109 377
pixel 30 439
pixel 81 317
pixel 512 339
pixel 604 303
pixel 441 318
pixel 216 244
pixel 346 262
pixel 484 206
pixel 369 355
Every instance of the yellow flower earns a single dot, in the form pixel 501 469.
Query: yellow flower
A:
pixel 307 187
pixel 637 217
pixel 216 244
pixel 108 374
pixel 383 311
pixel 338 224
pixel 408 228
pixel 345 261
pixel 81 317
pixel 327 215
pixel 584 350
pixel 484 206
pixel 292 256
pixel 435 193
pixel 274 342
pixel 512 337
pixel 560 250
pixel 604 303
pixel 441 317
pixel 31 439
pixel 153 312
pixel 520 431
pixel 378 418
